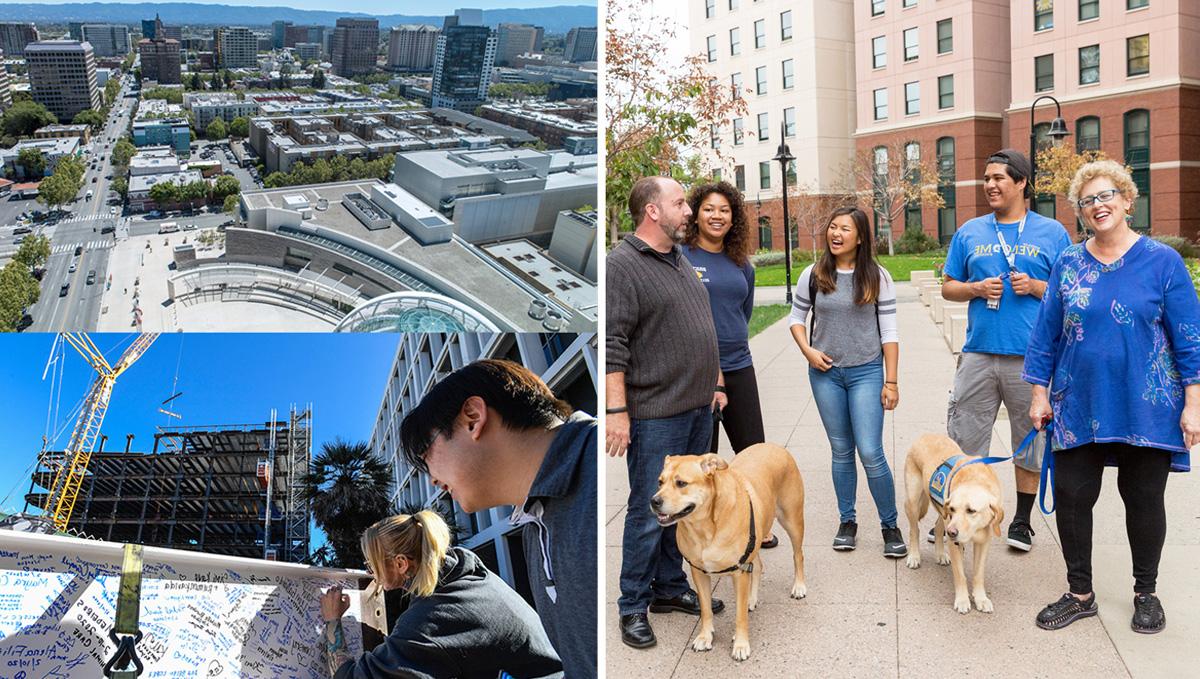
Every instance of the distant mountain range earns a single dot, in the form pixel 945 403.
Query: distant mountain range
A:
pixel 558 19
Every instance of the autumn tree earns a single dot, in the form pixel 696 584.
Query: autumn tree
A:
pixel 890 178
pixel 656 112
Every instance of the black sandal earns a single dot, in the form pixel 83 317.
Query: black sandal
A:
pixel 1148 615
pixel 1066 610
pixel 772 543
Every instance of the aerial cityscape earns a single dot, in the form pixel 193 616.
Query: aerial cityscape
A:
pixel 410 173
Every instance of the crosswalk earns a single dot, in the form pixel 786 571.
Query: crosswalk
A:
pixel 103 244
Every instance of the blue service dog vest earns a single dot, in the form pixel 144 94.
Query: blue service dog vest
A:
pixel 939 483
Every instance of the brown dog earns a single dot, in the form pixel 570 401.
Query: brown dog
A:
pixel 972 512
pixel 724 511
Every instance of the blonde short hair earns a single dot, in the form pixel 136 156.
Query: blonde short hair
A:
pixel 1109 169
pixel 423 537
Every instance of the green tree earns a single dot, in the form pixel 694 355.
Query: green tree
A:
pixel 111 89
pixel 122 152
pixel 318 79
pixel 168 94
pixel 18 290
pixel 62 186
pixel 121 186
pixel 195 82
pixel 228 77
pixel 216 130
pixel 33 161
pixel 34 251
pixel 240 127
pixel 193 191
pixel 164 193
pixel 216 81
pixel 225 185
pixel 23 117
pixel 275 180
pixel 90 117
pixel 348 488
pixel 231 203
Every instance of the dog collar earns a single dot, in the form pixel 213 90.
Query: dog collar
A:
pixel 939 483
pixel 750 545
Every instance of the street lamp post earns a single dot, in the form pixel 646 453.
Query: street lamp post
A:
pixel 784 156
pixel 1058 131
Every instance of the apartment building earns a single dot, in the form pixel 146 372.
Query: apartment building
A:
pixel 513 40
pixel 1127 74
pixel 411 47
pixel 794 65
pixel 14 36
pixel 355 44
pixel 160 60
pixel 581 44
pixel 236 47
pixel 5 87
pixel 462 69
pixel 108 40
pixel 62 76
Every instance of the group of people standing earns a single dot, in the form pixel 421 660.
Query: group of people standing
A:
pixel 1101 337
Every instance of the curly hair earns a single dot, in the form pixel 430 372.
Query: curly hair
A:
pixel 737 239
pixel 1109 169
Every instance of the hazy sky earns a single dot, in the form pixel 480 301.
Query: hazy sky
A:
pixel 422 8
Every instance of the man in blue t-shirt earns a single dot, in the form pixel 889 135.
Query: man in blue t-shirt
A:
pixel 1000 263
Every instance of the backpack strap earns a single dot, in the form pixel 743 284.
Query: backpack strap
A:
pixel 812 300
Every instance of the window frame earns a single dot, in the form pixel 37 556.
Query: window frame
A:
pixel 710 9
pixel 949 39
pixel 739 177
pixel 785 30
pixel 875 94
pixel 1130 6
pixel 916 44
pixel 1042 14
pixel 735 46
pixel 739 131
pixel 1129 58
pixel 735 85
pixel 760 80
pixel 760 33
pixel 1080 137
pixel 1095 68
pixel 878 7
pixel 764 178
pixel 787 73
pixel 789 126
pixel 763 122
pixel 1043 59
pixel 912 106
pixel 1094 4
pixel 1138 159
pixel 942 106
pixel 710 44
pixel 879 57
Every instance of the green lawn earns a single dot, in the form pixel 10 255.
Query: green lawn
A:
pixel 900 266
pixel 766 315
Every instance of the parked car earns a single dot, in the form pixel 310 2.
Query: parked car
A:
pixel 66 287
pixel 22 229
pixel 25 322
pixel 91 277
pixel 189 227
pixel 108 228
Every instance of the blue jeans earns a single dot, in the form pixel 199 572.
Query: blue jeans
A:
pixel 848 400
pixel 651 565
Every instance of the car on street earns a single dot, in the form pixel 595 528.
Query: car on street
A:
pixel 108 228
pixel 25 322
pixel 91 277
pixel 18 240
pixel 66 287
pixel 189 227
pixel 73 267
pixel 94 179
pixel 21 230
pixel 112 210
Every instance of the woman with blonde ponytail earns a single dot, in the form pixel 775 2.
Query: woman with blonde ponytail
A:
pixel 462 620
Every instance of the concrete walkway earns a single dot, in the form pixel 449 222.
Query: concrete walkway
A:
pixel 866 616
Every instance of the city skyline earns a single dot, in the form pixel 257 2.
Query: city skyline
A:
pixel 379 7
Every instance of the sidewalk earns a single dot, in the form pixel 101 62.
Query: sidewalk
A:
pixel 866 616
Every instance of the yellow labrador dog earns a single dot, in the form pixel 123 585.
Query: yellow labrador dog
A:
pixel 970 511
pixel 724 510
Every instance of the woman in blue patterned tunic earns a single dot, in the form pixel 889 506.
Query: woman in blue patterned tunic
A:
pixel 1115 362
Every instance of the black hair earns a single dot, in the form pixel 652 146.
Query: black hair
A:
pixel 520 397
pixel 1016 166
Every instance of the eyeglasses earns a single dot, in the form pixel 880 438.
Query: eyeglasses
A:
pixel 1101 197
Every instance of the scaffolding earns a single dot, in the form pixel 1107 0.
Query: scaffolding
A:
pixel 198 489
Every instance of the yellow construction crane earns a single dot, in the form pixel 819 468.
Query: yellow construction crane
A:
pixel 68 478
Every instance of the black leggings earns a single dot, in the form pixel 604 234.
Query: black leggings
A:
pixel 1141 479
pixel 742 418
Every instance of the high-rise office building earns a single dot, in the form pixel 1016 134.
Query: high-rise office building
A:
pixel 412 47
pixel 160 60
pixel 173 33
pixel 279 33
pixel 581 44
pixel 308 51
pixel 14 36
pixel 462 69
pixel 75 30
pixel 108 40
pixel 469 17
pixel 236 47
pixel 149 28
pixel 756 49
pixel 5 87
pixel 513 40
pixel 62 76
pixel 355 44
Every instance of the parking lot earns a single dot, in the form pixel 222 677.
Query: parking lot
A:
pixel 220 152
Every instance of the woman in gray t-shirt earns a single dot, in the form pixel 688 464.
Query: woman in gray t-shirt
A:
pixel 852 354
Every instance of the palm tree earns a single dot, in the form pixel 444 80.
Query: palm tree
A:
pixel 348 488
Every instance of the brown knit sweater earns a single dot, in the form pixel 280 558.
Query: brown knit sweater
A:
pixel 660 330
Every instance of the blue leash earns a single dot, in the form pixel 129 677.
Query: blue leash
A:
pixel 1046 480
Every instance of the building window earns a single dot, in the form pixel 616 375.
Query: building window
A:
pixel 1041 137
pixel 760 77
pixel 713 140
pixel 945 36
pixel 733 4
pixel 1087 134
pixel 785 25
pixel 735 82
pixel 789 80
pixel 789 122
pixel 735 42
pixel 1043 73
pixel 1137 55
pixel 912 217
pixel 945 91
pixel 877 7
pixel 791 180
pixel 763 132
pixel 881 112
pixel 716 174
pixel 738 131
pixel 739 177
pixel 947 215
pixel 1089 65
pixel 764 174
pixel 760 33
pixel 764 233
pixel 879 52
pixel 912 155
pixel 910 44
pixel 710 9
pixel 945 160
pixel 909 3
pixel 1137 157
pixel 712 48
pixel 1089 9
pixel 912 98
pixel 1136 4
pixel 1043 15
pixel 1045 204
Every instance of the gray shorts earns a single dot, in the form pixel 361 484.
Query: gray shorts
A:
pixel 981 383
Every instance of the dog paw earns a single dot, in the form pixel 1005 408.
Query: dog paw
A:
pixel 702 642
pixel 741 650
pixel 799 591
pixel 962 605
pixel 752 603
pixel 984 604
pixel 913 560
pixel 944 558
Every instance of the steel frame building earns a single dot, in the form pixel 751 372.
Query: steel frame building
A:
pixel 202 488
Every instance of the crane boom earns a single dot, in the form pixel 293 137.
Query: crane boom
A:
pixel 68 478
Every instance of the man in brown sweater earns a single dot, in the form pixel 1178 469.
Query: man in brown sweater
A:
pixel 663 377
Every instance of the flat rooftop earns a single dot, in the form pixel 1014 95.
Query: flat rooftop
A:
pixel 572 289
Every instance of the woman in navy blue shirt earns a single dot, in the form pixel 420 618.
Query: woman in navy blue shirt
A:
pixel 1115 362
pixel 718 246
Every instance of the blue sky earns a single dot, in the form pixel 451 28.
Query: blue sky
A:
pixel 424 7
pixel 225 378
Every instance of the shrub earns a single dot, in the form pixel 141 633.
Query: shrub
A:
pixel 915 241
pixel 1183 246
pixel 768 258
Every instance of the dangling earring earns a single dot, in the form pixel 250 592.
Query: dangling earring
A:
pixel 1129 219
